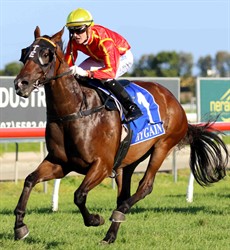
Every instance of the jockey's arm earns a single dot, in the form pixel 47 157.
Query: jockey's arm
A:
pixel 111 61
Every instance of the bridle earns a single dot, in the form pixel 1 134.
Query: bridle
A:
pixel 34 51
pixel 41 83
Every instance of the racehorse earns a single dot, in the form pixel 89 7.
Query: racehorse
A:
pixel 83 136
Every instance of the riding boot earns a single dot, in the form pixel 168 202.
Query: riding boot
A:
pixel 131 110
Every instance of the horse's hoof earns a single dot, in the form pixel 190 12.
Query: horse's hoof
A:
pixel 117 216
pixel 104 242
pixel 102 221
pixel 108 240
pixel 94 221
pixel 21 233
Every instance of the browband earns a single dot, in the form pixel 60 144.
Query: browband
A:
pixel 48 40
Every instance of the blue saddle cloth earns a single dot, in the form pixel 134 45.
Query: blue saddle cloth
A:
pixel 149 125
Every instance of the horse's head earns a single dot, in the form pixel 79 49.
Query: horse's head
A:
pixel 39 61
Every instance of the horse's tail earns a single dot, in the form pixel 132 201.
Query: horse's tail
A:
pixel 208 154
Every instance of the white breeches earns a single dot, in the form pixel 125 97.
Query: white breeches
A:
pixel 125 63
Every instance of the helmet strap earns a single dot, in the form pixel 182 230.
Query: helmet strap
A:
pixel 71 47
pixel 87 33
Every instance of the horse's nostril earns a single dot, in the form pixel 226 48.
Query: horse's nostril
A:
pixel 21 84
pixel 24 83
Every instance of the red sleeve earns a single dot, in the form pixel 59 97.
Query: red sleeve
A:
pixel 111 60
pixel 68 56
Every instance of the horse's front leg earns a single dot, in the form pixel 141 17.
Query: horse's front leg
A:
pixel 45 171
pixel 95 176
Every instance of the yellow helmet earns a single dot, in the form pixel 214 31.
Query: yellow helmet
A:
pixel 79 17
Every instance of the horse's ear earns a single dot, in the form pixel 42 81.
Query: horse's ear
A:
pixel 57 37
pixel 37 32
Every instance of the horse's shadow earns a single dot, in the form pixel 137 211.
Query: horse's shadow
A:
pixel 182 210
pixel 191 209
pixel 31 240
pixel 49 245
pixel 42 210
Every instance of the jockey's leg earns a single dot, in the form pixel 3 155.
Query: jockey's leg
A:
pixel 131 110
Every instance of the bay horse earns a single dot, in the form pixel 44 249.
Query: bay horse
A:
pixel 83 136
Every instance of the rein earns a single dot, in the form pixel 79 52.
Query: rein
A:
pixel 42 83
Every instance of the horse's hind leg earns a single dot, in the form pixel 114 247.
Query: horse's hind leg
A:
pixel 123 181
pixel 145 187
pixel 46 171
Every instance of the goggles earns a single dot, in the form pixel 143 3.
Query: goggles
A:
pixel 78 30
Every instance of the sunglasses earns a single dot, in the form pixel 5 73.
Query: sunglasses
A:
pixel 77 30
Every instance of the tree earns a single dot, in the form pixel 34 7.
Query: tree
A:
pixel 205 64
pixel 166 64
pixel 11 69
pixel 185 64
pixel 222 63
pixel 144 67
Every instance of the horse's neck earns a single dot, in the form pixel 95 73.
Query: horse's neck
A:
pixel 63 96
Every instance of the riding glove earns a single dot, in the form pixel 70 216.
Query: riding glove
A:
pixel 75 70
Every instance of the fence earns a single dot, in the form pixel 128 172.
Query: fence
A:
pixel 37 135
pixel 23 135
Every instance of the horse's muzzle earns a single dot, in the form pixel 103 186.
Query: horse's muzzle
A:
pixel 22 88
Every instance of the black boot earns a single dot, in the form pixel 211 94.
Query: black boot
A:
pixel 131 110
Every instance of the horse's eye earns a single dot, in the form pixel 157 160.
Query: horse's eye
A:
pixel 45 57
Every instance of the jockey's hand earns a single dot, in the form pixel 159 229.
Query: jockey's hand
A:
pixel 75 70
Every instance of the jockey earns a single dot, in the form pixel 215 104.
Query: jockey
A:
pixel 109 56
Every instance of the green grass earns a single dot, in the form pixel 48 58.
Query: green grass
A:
pixel 163 220
pixel 226 139
pixel 22 147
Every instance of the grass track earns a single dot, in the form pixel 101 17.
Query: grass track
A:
pixel 163 220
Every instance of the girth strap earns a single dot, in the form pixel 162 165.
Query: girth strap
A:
pixel 75 116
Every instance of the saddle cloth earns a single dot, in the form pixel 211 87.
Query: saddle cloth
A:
pixel 149 125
